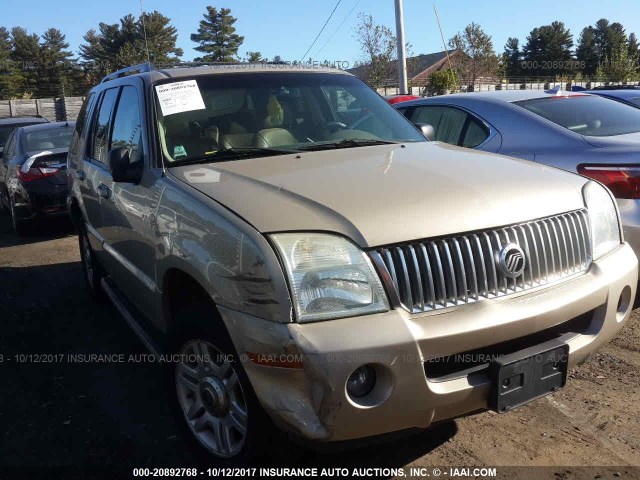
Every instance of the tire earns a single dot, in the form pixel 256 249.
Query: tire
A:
pixel 92 270
pixel 21 227
pixel 215 407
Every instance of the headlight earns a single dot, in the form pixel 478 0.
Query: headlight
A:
pixel 329 276
pixel 605 229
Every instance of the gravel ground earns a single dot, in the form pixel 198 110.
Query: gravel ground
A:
pixel 104 414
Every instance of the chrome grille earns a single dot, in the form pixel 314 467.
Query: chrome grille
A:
pixel 434 274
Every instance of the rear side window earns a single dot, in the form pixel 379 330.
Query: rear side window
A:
pixel 9 148
pixel 127 124
pixel 452 125
pixel 80 125
pixel 587 114
pixel 100 134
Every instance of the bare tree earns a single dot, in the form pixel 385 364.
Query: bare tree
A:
pixel 378 45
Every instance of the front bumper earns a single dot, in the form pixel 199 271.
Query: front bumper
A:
pixel 312 401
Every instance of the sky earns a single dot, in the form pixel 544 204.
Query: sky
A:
pixel 288 28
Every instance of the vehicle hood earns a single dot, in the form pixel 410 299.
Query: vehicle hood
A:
pixel 386 194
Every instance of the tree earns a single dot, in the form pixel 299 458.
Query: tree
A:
pixel 634 47
pixel 549 49
pixel 120 45
pixel 586 51
pixel 25 52
pixel 512 58
pixel 55 67
pixel 620 66
pixel 277 59
pixel 442 81
pixel 254 57
pixel 378 46
pixel 479 58
pixel 10 75
pixel 216 36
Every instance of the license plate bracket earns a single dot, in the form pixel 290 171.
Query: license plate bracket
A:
pixel 523 376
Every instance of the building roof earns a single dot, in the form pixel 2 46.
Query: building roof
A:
pixel 418 66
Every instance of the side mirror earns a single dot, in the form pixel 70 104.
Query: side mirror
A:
pixel 427 130
pixel 122 170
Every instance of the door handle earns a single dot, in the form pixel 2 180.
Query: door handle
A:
pixel 80 175
pixel 104 191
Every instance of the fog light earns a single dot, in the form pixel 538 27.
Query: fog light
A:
pixel 361 381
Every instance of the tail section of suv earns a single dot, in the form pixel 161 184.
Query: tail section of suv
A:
pixel 312 262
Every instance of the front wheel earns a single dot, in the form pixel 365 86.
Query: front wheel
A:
pixel 211 396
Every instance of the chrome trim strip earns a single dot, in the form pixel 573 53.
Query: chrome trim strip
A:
pixel 429 275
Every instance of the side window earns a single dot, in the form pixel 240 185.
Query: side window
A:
pixel 9 147
pixel 127 124
pixel 100 136
pixel 475 134
pixel 447 122
pixel 452 125
pixel 81 121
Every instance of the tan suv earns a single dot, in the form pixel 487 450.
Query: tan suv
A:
pixel 296 252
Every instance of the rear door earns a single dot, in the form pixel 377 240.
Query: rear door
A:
pixel 92 170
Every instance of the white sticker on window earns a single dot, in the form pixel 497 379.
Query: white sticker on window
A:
pixel 178 97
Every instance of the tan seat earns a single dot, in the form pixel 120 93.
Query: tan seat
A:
pixel 274 137
pixel 237 140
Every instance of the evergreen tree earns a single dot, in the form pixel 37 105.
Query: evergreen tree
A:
pixel 120 45
pixel 586 51
pixel 254 57
pixel 634 47
pixel 10 74
pixel 55 66
pixel 549 47
pixel 25 52
pixel 216 36
pixel 512 58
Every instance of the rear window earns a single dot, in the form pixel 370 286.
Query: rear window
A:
pixel 48 139
pixel 6 131
pixel 587 114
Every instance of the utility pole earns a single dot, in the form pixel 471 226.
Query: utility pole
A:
pixel 402 52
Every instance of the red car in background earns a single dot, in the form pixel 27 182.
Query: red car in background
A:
pixel 392 99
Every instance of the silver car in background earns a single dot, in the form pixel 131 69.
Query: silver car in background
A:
pixel 582 133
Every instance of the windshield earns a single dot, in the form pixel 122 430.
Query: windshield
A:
pixel 230 116
pixel 58 137
pixel 587 114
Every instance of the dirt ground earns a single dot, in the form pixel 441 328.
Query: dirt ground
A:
pixel 115 414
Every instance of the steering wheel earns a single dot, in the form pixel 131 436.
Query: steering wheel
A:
pixel 333 127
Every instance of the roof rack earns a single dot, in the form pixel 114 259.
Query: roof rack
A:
pixel 141 68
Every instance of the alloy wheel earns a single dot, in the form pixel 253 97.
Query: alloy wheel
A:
pixel 211 398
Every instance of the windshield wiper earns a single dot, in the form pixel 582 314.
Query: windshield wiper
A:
pixel 236 153
pixel 347 143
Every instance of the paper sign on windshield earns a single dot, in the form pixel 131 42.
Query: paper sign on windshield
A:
pixel 179 97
